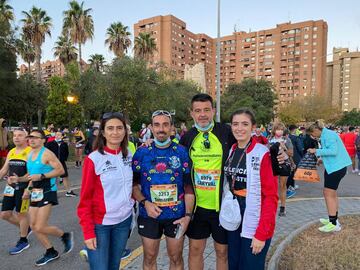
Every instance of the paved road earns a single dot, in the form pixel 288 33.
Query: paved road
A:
pixel 65 217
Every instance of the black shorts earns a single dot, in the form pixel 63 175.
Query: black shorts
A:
pixel 205 223
pixel 154 228
pixel 9 203
pixel 332 180
pixel 50 197
pixel 65 169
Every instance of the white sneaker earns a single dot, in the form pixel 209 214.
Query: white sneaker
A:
pixel 353 171
pixel 356 170
pixel 359 173
pixel 296 187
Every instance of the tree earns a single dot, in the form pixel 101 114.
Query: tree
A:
pixel 351 118
pixel 65 50
pixel 79 23
pixel 308 109
pixel 59 111
pixel 26 51
pixel 256 95
pixel 36 26
pixel 145 46
pixel 97 61
pixel 6 12
pixel 118 39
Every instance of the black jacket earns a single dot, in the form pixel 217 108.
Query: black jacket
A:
pixel 226 138
pixel 61 150
pixel 298 148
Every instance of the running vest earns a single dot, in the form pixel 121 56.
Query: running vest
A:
pixel 207 165
pixel 17 164
pixel 161 178
pixel 37 167
pixel 131 147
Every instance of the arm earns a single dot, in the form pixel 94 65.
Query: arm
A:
pixel 49 158
pixel 4 170
pixel 84 209
pixel 269 200
pixel 329 148
pixel 82 137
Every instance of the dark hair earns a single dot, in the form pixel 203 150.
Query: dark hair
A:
pixel 100 141
pixel 202 98
pixel 246 111
pixel 292 127
pixel 351 129
pixel 39 131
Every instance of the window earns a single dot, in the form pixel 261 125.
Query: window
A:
pixel 315 28
pixel 306 36
pixel 315 36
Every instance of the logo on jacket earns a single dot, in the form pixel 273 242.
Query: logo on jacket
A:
pixel 174 162
pixel 255 163
pixel 108 166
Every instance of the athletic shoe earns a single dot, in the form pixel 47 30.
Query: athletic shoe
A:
pixel 359 173
pixel 330 228
pixel 126 253
pixel 48 257
pixel 296 187
pixel 356 170
pixel 290 192
pixel 326 221
pixel 84 255
pixel 70 194
pixel 68 241
pixel 20 247
pixel 61 181
pixel 282 213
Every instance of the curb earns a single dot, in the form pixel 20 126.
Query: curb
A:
pixel 274 261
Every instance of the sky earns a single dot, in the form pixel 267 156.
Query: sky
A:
pixel 200 16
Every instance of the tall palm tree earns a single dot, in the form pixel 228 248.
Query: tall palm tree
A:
pixel 118 39
pixel 145 46
pixel 6 11
pixel 79 24
pixel 97 61
pixel 26 51
pixel 36 26
pixel 65 50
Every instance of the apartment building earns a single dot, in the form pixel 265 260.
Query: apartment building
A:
pixel 343 79
pixel 48 69
pixel 292 55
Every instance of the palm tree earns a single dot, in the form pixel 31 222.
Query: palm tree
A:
pixel 36 26
pixel 65 50
pixel 6 11
pixel 79 24
pixel 145 46
pixel 97 61
pixel 26 51
pixel 118 39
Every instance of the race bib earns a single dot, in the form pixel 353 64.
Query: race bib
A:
pixel 206 179
pixel 9 191
pixel 164 195
pixel 37 194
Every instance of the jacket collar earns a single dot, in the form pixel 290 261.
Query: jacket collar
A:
pixel 112 151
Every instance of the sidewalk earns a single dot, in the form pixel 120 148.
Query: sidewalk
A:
pixel 299 212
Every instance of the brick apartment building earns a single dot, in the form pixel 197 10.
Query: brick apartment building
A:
pixel 292 55
pixel 48 69
pixel 343 80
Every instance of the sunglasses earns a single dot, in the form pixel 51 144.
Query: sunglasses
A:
pixel 207 141
pixel 109 115
pixel 161 112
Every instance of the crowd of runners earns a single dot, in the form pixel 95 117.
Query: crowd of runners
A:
pixel 213 180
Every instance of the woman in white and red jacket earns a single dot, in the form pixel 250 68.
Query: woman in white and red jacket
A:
pixel 105 208
pixel 249 175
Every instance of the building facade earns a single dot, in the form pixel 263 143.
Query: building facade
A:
pixel 343 79
pixel 292 56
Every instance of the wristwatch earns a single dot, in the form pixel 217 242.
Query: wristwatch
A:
pixel 143 202
pixel 189 215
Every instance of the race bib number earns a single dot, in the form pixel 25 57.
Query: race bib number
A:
pixel 9 191
pixel 206 179
pixel 164 195
pixel 37 194
pixel 24 205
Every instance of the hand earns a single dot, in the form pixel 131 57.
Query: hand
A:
pixel 184 222
pixel 257 246
pixel 152 209
pixel 319 162
pixel 91 243
pixel 148 142
pixel 26 194
pixel 311 150
pixel 282 156
pixel 34 177
pixel 13 179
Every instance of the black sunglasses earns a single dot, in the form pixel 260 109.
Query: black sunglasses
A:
pixel 207 141
pixel 109 115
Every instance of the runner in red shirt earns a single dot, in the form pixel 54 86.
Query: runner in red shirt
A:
pixel 259 138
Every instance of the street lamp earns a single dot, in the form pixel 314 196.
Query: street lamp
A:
pixel 218 66
pixel 71 99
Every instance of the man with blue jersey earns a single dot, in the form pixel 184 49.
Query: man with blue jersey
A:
pixel 163 187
